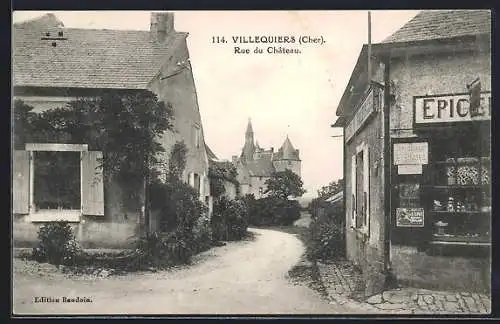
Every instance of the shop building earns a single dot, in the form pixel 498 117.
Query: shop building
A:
pixel 417 153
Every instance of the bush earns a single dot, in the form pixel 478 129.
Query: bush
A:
pixel 273 211
pixel 184 225
pixel 229 219
pixel 328 240
pixel 163 249
pixel 57 245
pixel 179 205
pixel 202 234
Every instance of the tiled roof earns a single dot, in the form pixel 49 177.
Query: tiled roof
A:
pixel 260 168
pixel 211 154
pixel 339 196
pixel 287 151
pixel 87 58
pixel 437 24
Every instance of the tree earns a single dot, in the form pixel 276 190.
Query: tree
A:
pixel 126 126
pixel 331 189
pixel 22 116
pixel 219 172
pixel 285 184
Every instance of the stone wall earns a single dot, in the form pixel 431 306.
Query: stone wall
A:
pixel 366 250
pixel 116 229
pixel 433 75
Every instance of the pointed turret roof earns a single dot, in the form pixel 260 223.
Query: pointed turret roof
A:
pixel 287 150
pixel 249 127
pixel 249 147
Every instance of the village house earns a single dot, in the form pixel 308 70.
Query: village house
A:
pixel 231 186
pixel 417 153
pixel 255 165
pixel 53 65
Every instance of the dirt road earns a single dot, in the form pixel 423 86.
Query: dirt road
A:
pixel 247 277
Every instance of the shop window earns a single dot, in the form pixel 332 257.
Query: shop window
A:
pixel 409 195
pixel 360 201
pixel 458 187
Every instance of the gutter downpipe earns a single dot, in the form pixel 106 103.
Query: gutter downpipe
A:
pixel 387 172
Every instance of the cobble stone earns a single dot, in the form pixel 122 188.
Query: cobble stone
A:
pixel 429 299
pixel 342 281
pixel 434 308
pixel 390 306
pixel 471 304
pixel 451 298
pixel 452 307
pixel 486 301
pixel 398 297
pixel 420 301
pixel 376 299
pixel 462 304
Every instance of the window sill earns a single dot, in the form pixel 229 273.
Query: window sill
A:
pixel 54 215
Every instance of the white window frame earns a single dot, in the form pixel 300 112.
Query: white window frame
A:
pixel 67 215
pixel 365 227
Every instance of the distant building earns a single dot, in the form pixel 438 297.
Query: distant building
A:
pixel 230 186
pixel 255 164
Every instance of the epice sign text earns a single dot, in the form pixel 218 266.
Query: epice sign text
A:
pixel 449 108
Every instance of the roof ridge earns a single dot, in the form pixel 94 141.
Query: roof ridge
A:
pixel 458 22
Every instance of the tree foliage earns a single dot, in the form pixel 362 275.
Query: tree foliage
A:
pixel 124 125
pixel 331 189
pixel 285 184
pixel 177 160
pixel 219 172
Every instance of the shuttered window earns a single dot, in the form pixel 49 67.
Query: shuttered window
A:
pixel 21 182
pixel 366 188
pixel 92 187
pixel 360 189
pixel 353 191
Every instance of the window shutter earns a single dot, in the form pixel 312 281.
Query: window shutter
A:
pixel 21 182
pixel 366 186
pixel 92 184
pixel 353 191
pixel 202 186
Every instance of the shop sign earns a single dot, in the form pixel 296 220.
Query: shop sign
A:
pixel 410 169
pixel 411 153
pixel 361 116
pixel 449 108
pixel 409 217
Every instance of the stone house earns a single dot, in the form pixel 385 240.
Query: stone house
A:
pixel 416 96
pixel 255 165
pixel 231 190
pixel 53 65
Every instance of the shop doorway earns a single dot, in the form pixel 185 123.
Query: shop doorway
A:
pixel 360 194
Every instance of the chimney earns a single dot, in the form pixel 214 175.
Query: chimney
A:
pixel 235 159
pixel 162 24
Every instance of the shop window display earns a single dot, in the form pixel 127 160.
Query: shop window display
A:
pixel 458 186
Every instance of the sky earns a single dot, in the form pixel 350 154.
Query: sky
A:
pixel 287 94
